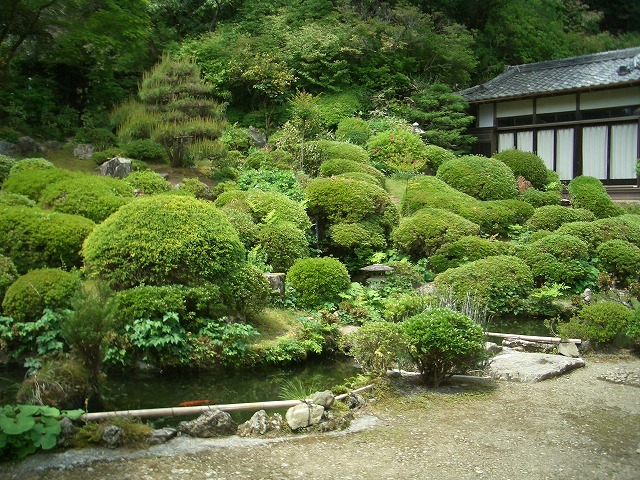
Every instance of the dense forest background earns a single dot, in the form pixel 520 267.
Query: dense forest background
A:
pixel 64 64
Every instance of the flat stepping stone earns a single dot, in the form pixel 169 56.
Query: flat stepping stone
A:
pixel 531 367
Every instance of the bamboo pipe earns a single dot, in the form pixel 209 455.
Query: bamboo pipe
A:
pixel 180 411
pixel 534 338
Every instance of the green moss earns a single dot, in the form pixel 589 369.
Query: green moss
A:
pixel 480 177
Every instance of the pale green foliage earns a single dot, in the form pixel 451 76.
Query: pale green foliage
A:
pixel 377 346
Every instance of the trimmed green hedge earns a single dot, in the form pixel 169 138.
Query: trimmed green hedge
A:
pixel 625 227
pixel 357 235
pixel 481 177
pixel 15 200
pixel 284 243
pixel 538 198
pixel 421 234
pixel 317 152
pixel 436 156
pixel 621 259
pixel 600 322
pixel 5 166
pixel 501 283
pixel 337 166
pixel 164 240
pixel 31 182
pixel 318 280
pixel 246 292
pixel 360 177
pixel 8 275
pixel 588 192
pixel 353 130
pixel 31 164
pixel 525 164
pixel 397 151
pixel 464 250
pixel 550 217
pixel 148 181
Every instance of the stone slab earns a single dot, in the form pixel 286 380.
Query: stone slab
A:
pixel 531 367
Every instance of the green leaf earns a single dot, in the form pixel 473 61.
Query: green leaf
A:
pixel 16 426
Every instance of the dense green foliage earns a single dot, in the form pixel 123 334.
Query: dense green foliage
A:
pixel 377 346
pixel 436 156
pixel 465 249
pixel 5 166
pixel 397 151
pixel 31 182
pixel 525 164
pixel 621 259
pixel 338 166
pixel 482 178
pixel 283 243
pixel 353 130
pixel 550 217
pixel 147 182
pixel 538 198
pixel 318 280
pixel 625 227
pixel 589 193
pixel 600 322
pixel 162 240
pixel 8 275
pixel 443 342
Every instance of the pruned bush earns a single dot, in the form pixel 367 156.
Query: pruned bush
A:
pixel 358 176
pixel 276 159
pixel 550 217
pixel 31 293
pixel 271 180
pixel 353 130
pixel 319 151
pixel 443 342
pixel 421 234
pixel 89 196
pixel 588 192
pixel 464 250
pixel 500 283
pixel 5 166
pixel 100 138
pixel 377 346
pixel 624 227
pixel 8 275
pixel 243 222
pixel 600 323
pixel 436 156
pixel 497 216
pixel 525 164
pixel 33 238
pixel 148 182
pixel 246 292
pixel 318 280
pixel 283 243
pixel 15 200
pixel 31 182
pixel 31 164
pixel 145 150
pixel 397 151
pixel 337 166
pixel 354 235
pixel 539 198
pixel 481 177
pixel 621 259
pixel 163 240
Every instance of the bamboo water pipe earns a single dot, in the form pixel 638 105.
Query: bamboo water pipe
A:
pixel 534 338
pixel 181 411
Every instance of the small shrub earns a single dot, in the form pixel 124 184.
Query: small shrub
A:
pixel 15 200
pixel 8 275
pixel 436 156
pixel 31 293
pixel 538 198
pixel 525 164
pixel 482 178
pixel 31 164
pixel 148 182
pixel 31 182
pixel 353 130
pixel 497 216
pixel 246 292
pixel 268 180
pixel 443 342
pixel 318 280
pixel 319 151
pixel 500 282
pixel 243 222
pixel 600 322
pixel 352 235
pixel 358 176
pixel 550 217
pixel 621 259
pixel 421 234
pixel 397 151
pixel 399 306
pixel 100 138
pixel 5 166
pixel 463 250
pixel 145 150
pixel 589 193
pixel 377 346
pixel 337 166
pixel 283 243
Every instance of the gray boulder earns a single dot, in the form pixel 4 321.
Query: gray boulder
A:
pixel 83 151
pixel 276 282
pixel 325 399
pixel 67 431
pixel 28 146
pixel 112 436
pixel 260 424
pixel 161 435
pixel 530 367
pixel 214 423
pixel 304 415
pixel 568 349
pixel 116 167
pixel 52 145
pixel 355 401
pixel 258 136
pixel 8 149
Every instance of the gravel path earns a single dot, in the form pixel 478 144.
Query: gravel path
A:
pixel 583 425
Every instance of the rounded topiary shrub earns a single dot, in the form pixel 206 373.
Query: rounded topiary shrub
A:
pixel 243 223
pixel 146 150
pixel 550 217
pixel 31 293
pixel 162 240
pixel 525 164
pixel 600 322
pixel 31 164
pixel 397 151
pixel 357 235
pixel 500 282
pixel 8 275
pixel 443 342
pixel 246 292
pixel 464 250
pixel 90 196
pixel 436 156
pixel 15 200
pixel 621 259
pixel 421 234
pixel 33 238
pixel 497 216
pixel 481 177
pixel 353 130
pixel 147 182
pixel 588 192
pixel 377 346
pixel 338 166
pixel 358 176
pixel 539 198
pixel 625 227
pixel 283 243
pixel 317 152
pixel 585 231
pixel 5 166
pixel 428 191
pixel 31 182
pixel 318 280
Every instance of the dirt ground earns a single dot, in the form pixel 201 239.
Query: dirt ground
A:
pixel 577 426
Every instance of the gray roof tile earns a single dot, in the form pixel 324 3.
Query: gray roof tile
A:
pixel 595 70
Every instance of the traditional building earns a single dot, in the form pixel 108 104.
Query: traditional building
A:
pixel 580 114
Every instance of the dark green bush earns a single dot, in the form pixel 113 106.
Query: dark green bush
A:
pixel 501 283
pixel 246 292
pixel 481 177
pixel 100 138
pixel 443 342
pixel 525 164
pixel 276 159
pixel 337 166
pixel 148 182
pixel 102 156
pixel 625 227
pixel 421 234
pixel 621 259
pixel 464 250
pixel 270 180
pixel 15 200
pixel 89 196
pixel 145 150
pixel 436 156
pixel 397 151
pixel 319 151
pixel 377 346
pixel 31 164
pixel 33 238
pixel 284 243
pixel 5 166
pixel 318 280
pixel 163 240
pixel 550 217
pixel 360 177
pixel 497 216
pixel 352 235
pixel 588 192
pixel 31 293
pixel 353 130
pixel 539 198
pixel 31 182
pixel 585 231
pixel 600 322
pixel 8 275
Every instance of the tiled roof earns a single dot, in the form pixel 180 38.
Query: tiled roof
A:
pixel 595 70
